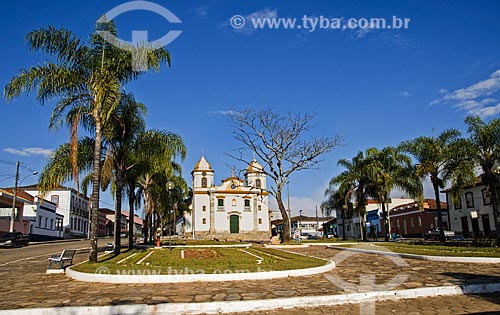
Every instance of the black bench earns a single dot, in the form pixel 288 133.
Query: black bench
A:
pixel 65 257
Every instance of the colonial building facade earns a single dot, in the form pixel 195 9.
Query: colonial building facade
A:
pixel 72 205
pixel 472 214
pixel 236 209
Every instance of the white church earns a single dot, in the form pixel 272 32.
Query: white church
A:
pixel 236 209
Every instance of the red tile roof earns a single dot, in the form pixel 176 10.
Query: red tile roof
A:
pixel 20 194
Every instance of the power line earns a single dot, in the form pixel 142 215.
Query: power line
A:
pixel 7 162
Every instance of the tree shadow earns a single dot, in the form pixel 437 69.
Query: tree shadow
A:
pixel 462 278
pixel 468 280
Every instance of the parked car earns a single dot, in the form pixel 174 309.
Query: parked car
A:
pixel 435 234
pixel 14 239
pixel 309 236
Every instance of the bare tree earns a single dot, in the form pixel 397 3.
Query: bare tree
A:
pixel 279 141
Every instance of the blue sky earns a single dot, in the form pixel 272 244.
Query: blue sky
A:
pixel 374 88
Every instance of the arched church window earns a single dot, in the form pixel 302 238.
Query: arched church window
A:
pixel 204 182
pixel 234 202
pixel 258 184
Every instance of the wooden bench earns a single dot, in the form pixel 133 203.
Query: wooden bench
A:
pixel 65 257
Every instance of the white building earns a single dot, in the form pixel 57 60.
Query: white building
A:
pixel 472 214
pixel 45 223
pixel 72 205
pixel 236 209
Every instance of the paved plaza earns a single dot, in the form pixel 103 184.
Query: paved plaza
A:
pixel 30 287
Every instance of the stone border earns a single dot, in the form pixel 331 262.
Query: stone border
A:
pixel 483 260
pixel 244 245
pixel 304 245
pixel 182 278
pixel 261 305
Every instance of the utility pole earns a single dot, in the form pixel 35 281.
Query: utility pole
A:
pixel 13 214
pixel 289 211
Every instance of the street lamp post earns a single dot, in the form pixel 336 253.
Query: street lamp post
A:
pixel 300 220
pixel 170 186
pixel 13 213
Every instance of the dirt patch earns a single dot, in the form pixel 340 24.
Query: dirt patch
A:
pixel 199 253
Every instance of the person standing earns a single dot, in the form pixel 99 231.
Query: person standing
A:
pixel 296 235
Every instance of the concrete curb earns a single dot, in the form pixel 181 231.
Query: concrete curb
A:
pixel 304 245
pixel 244 245
pixel 193 276
pixel 482 260
pixel 260 305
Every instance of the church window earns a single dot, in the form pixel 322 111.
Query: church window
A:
pixel 234 202
pixel 259 207
pixel 220 202
pixel 204 208
pixel 204 221
pixel 247 203
pixel 260 220
pixel 204 182
pixel 258 184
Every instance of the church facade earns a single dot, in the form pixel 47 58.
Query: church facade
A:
pixel 235 209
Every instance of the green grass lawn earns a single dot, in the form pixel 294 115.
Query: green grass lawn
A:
pixel 440 250
pixel 202 260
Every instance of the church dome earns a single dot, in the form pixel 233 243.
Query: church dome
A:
pixel 202 165
pixel 255 167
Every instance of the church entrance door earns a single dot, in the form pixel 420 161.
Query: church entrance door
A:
pixel 234 223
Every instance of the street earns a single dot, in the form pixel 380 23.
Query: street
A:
pixel 40 252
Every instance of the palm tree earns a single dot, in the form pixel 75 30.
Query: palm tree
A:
pixel 85 78
pixel 483 146
pixel 58 168
pixel 120 134
pixel 356 180
pixel 391 169
pixel 157 150
pixel 438 157
pixel 336 200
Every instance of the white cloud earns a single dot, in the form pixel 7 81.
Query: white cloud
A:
pixel 360 33
pixel 404 94
pixel 201 11
pixel 224 112
pixel 29 151
pixel 15 152
pixel 476 99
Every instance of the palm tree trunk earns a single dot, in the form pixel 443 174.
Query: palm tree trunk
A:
pixel 145 228
pixel 118 211
pixel 131 200
pixel 493 185
pixel 94 224
pixel 435 185
pixel 386 225
pixel 342 212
